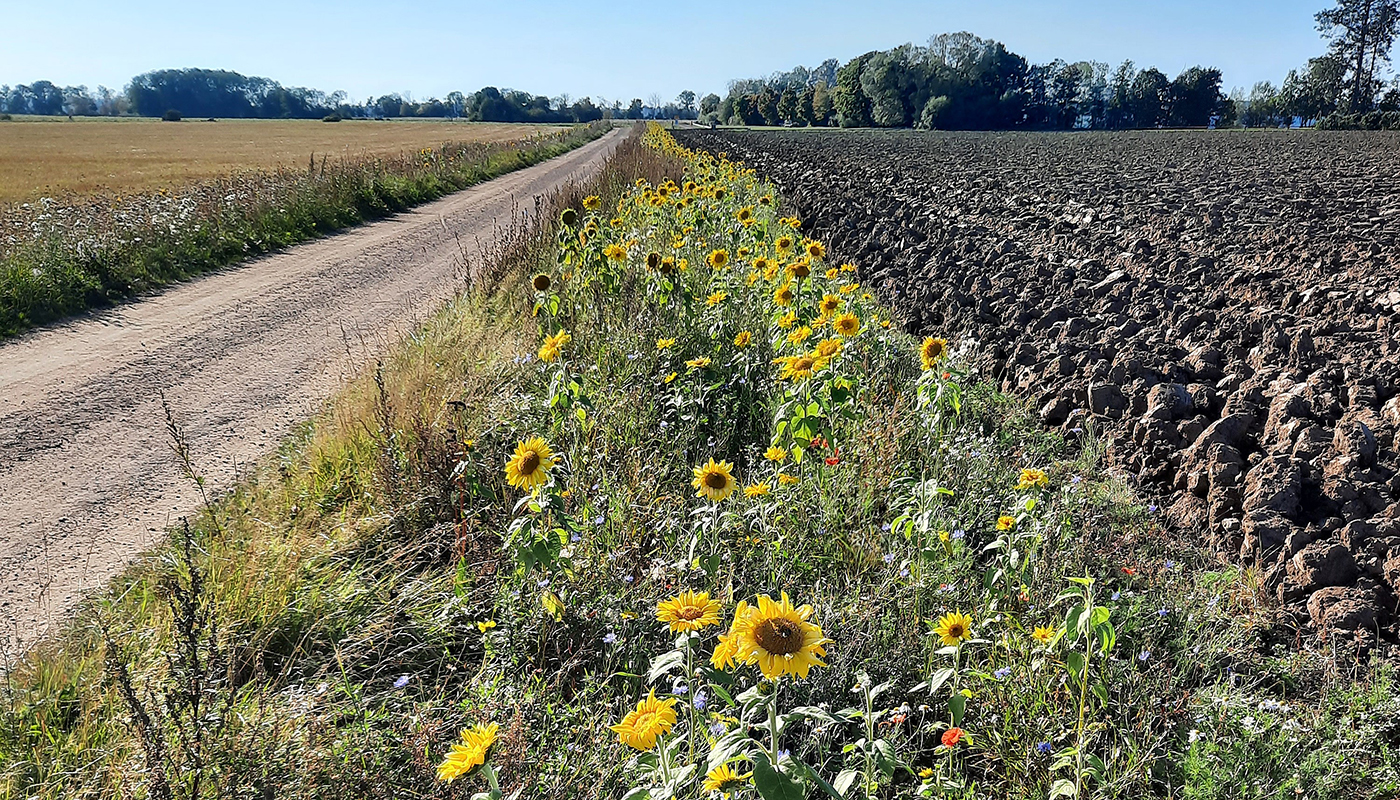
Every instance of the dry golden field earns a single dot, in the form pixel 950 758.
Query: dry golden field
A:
pixel 48 156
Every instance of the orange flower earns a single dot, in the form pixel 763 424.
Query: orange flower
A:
pixel 952 736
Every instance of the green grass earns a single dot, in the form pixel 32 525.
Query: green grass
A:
pixel 105 250
pixel 378 544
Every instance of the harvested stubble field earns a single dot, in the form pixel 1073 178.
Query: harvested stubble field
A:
pixel 53 156
pixel 1226 304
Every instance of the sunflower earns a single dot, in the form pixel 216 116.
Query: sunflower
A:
pixel 932 351
pixel 698 363
pixel 800 268
pixel 688 611
pixel 847 324
pixel 650 719
pixel 1043 634
pixel 1032 478
pixel 727 650
pixel 798 368
pixel 530 466
pixel 787 320
pixel 668 265
pixel 593 202
pixel 784 245
pixel 663 344
pixel 716 298
pixel 827 349
pixel 776 454
pixel 787 480
pixel 568 218
pixel 715 481
pixel 723 780
pixel 541 282
pixel 616 252
pixel 953 628
pixel 800 335
pixel 848 267
pixel 758 490
pixel 761 264
pixel 1005 522
pixel 784 295
pixel 554 345
pixel 816 250
pixel 718 259
pixel 653 260
pixel 766 200
pixel 780 639
pixel 467 756
pixel 742 339
pixel 745 215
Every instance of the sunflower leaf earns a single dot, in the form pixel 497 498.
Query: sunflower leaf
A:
pixel 771 783
pixel 663 664
pixel 728 747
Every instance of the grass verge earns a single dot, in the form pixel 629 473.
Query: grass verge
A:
pixel 57 259
pixel 328 628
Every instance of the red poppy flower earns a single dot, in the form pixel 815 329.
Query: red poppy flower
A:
pixel 1129 571
pixel 952 736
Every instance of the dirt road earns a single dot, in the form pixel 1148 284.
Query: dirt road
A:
pixel 87 476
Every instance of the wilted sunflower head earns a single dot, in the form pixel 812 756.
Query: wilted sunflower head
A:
pixel 541 282
pixel 932 351
pixel 668 265
pixel 529 467
pixel 653 260
pixel 467 756
pixel 714 480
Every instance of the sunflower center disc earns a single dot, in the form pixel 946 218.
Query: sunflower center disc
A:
pixel 529 463
pixel 780 636
pixel 691 612
pixel 716 480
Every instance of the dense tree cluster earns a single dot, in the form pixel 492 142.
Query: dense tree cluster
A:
pixel 220 93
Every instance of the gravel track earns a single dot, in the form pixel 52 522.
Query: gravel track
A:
pixel 1226 305
pixel 88 478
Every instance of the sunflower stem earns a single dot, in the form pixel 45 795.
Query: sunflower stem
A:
pixel 492 780
pixel 773 724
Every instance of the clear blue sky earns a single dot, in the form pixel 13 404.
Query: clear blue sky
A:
pixel 618 50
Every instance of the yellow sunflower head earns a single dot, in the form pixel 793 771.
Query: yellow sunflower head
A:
pixel 828 348
pixel 745 214
pixel 593 202
pixel 714 480
pixel 784 245
pixel 651 719
pixel 529 468
pixel 540 282
pixel 698 363
pixel 724 781
pixel 800 268
pixel 800 335
pixel 761 264
pixel 688 611
pixel 816 250
pixel 829 305
pixel 932 351
pixel 727 650
pixel 798 368
pixel 787 320
pixel 757 490
pixel 716 298
pixel 615 252
pixel 785 479
pixel 776 454
pixel 1032 478
pixel 718 259
pixel 953 628
pixel 467 756
pixel 784 295
pixel 847 324
pixel 553 346
pixel 781 639
pixel 665 344
pixel 1006 522
pixel 742 339
pixel 1044 634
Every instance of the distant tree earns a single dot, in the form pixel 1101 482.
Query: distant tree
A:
pixel 789 102
pixel 1195 97
pixel 686 101
pixel 850 101
pixel 1361 33
pixel 822 107
pixel 634 111
pixel 1119 112
pixel 1262 108
pixel 766 103
pixel 1149 99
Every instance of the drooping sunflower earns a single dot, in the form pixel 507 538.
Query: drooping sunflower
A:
pixel 781 639
pixel 800 335
pixel 757 490
pixel 615 252
pixel 653 260
pixel 554 345
pixel 541 282
pixel 718 259
pixel 643 724
pixel 688 611
pixel 932 351
pixel 714 480
pixel 1032 478
pixel 784 295
pixel 467 756
pixel 798 368
pixel 723 780
pixel 800 268
pixel 727 650
pixel 816 250
pixel 953 628
pixel 529 467
pixel 847 324
pixel 827 349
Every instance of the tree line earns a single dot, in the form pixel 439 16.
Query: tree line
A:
pixel 221 93
pixel 959 81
